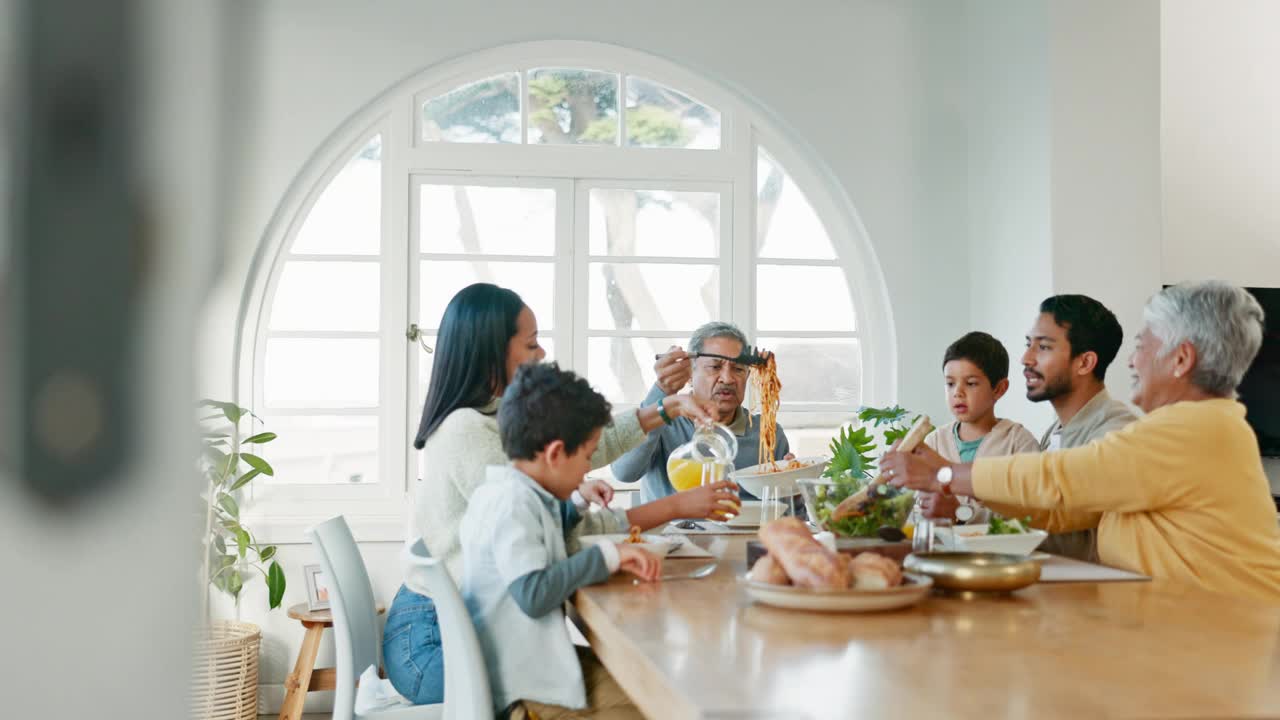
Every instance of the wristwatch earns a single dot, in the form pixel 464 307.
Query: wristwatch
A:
pixel 662 412
pixel 944 479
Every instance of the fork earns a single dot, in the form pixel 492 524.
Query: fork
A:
pixel 695 574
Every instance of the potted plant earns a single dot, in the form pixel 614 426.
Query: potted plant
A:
pixel 225 672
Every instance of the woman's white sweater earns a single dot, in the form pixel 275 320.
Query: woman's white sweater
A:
pixel 453 465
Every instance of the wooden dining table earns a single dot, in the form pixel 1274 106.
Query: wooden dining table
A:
pixel 1159 649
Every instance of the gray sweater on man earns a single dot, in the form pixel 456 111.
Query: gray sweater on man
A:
pixel 648 462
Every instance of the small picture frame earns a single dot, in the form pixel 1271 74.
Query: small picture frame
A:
pixel 317 587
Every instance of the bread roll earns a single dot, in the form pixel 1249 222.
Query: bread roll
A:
pixel 767 570
pixel 804 559
pixel 872 571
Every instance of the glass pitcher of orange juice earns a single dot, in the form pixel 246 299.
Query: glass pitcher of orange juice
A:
pixel 707 457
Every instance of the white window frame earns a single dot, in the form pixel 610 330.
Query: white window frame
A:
pixel 282 512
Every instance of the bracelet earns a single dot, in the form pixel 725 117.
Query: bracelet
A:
pixel 662 413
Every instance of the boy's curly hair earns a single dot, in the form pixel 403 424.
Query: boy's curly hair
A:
pixel 544 403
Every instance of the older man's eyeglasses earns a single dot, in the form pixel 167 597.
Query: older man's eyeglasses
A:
pixel 716 367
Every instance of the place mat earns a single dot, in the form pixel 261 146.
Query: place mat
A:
pixel 708 528
pixel 684 548
pixel 1061 569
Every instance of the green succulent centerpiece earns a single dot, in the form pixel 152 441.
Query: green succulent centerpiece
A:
pixel 232 555
pixel 854 455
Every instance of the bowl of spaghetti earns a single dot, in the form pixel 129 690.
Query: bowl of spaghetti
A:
pixel 783 473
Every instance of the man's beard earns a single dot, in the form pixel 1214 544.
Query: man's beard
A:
pixel 1049 389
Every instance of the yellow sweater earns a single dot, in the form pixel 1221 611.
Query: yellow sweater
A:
pixel 1181 493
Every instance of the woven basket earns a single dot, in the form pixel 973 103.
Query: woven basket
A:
pixel 224 674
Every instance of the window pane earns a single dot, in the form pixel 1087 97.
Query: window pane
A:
pixel 488 220
pixel 347 217
pixel 642 296
pixel 653 222
pixel 790 297
pixel 442 279
pixel 658 116
pixel 487 111
pixel 326 296
pixel 786 224
pixel 818 370
pixel 323 449
pixel 622 368
pixel 316 373
pixel 568 107
pixel 427 360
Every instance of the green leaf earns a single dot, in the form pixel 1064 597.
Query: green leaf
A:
pixel 266 553
pixel 895 415
pixel 215 456
pixel 213 435
pixel 264 437
pixel 258 463
pixel 234 582
pixel 851 452
pixel 219 544
pixel 242 540
pixel 228 503
pixel 893 435
pixel 228 465
pixel 275 585
pixel 244 479
pixel 230 411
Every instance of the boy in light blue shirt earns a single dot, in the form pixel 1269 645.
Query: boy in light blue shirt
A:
pixel 517 573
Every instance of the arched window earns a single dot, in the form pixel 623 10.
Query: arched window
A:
pixel 626 201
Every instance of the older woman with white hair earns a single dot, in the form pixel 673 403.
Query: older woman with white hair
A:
pixel 1181 491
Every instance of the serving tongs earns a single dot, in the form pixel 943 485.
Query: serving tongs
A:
pixel 856 505
pixel 751 355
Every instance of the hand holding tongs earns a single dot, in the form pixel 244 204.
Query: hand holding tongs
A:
pixel 751 355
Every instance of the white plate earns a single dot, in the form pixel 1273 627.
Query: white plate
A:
pixel 913 589
pixel 748 515
pixel 974 538
pixel 656 544
pixel 754 478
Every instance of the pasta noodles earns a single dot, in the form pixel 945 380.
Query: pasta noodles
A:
pixel 769 390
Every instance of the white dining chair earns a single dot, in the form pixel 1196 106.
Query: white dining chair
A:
pixel 356 638
pixel 466 680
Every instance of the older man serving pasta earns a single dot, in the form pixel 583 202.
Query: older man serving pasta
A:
pixel 719 380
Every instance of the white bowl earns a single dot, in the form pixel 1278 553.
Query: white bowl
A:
pixel 754 479
pixel 656 544
pixel 974 538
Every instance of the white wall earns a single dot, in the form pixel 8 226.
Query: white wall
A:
pixel 1220 149
pixel 1064 168
pixel 1010 257
pixel 868 88
pixel 1220 113
pixel 1105 179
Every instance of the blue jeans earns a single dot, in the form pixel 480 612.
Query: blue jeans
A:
pixel 411 649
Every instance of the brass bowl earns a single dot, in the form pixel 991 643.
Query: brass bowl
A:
pixel 975 571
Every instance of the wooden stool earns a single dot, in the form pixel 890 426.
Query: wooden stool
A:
pixel 305 677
